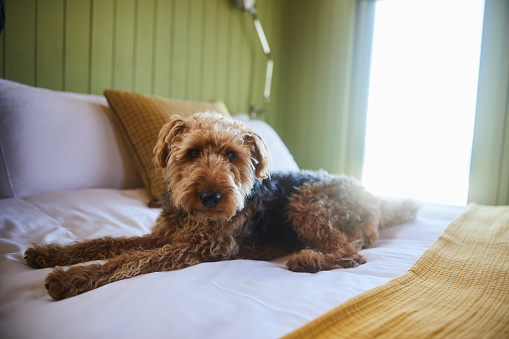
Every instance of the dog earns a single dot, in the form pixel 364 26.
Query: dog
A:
pixel 222 204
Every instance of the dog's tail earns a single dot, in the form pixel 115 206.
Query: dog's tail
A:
pixel 397 211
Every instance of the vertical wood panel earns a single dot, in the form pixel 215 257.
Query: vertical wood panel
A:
pixel 320 124
pixel 223 16
pixel 194 48
pixel 307 92
pixel 171 79
pixel 187 49
pixel 203 52
pixel 316 79
pixel 123 60
pixel 278 103
pixel 235 62
pixel 210 51
pixel 50 44
pixel 332 110
pixel 339 109
pixel 297 135
pixel 180 57
pixel 77 46
pixel 20 41
pixel 315 122
pixel 162 48
pixel 144 46
pixel 101 63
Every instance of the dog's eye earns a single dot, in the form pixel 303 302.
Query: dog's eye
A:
pixel 194 154
pixel 230 155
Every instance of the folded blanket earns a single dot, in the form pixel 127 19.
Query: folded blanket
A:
pixel 459 288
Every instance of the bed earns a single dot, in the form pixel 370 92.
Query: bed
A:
pixel 70 170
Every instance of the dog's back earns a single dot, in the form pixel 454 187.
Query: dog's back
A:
pixel 271 198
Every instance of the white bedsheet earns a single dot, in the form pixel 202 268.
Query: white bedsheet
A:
pixel 230 299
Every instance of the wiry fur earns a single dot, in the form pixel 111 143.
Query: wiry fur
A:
pixel 324 219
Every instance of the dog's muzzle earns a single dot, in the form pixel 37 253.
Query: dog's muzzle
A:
pixel 210 199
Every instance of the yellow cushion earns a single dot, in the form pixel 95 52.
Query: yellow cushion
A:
pixel 140 118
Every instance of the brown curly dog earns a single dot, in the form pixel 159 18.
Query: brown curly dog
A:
pixel 221 204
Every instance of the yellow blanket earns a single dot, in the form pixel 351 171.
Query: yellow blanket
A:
pixel 459 288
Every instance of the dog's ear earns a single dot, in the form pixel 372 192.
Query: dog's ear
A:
pixel 167 133
pixel 261 154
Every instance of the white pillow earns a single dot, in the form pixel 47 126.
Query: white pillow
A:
pixel 282 159
pixel 52 141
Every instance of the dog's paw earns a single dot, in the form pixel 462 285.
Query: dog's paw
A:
pixel 311 261
pixel 354 261
pixel 304 269
pixel 307 261
pixel 59 285
pixel 36 258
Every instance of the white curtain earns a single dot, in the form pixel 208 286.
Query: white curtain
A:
pixel 489 170
pixel 352 155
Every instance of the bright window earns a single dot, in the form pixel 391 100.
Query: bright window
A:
pixel 422 98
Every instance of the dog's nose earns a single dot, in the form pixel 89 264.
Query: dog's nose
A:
pixel 210 199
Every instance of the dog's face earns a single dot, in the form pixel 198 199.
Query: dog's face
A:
pixel 210 164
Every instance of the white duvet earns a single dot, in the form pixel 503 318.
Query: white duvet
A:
pixel 230 299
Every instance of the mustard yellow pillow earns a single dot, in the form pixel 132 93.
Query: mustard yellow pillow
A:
pixel 140 117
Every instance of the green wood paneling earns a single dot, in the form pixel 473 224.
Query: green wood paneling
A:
pixel 50 44
pixel 162 48
pixel 209 56
pixel 197 50
pixel 235 60
pixel 180 50
pixel 222 51
pixel 20 41
pixel 77 46
pixel 101 61
pixel 294 55
pixel 123 45
pixel 194 48
pixel 144 46
pixel 313 93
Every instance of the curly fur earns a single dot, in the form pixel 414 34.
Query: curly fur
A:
pixel 323 219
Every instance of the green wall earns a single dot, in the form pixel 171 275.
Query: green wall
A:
pixel 317 43
pixel 196 50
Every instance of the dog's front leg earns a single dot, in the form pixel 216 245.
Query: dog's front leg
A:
pixel 51 255
pixel 63 284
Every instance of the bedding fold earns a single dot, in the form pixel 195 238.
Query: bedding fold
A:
pixel 458 288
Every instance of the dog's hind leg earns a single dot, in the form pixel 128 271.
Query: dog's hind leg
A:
pixel 50 255
pixel 325 225
pixel 326 257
